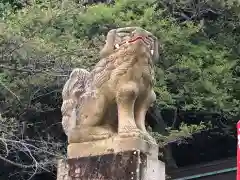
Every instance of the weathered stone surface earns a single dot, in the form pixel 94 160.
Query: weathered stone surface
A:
pixel 154 170
pixel 132 165
pixel 62 170
pixel 123 165
pixel 128 165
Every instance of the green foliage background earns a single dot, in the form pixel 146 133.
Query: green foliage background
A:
pixel 198 69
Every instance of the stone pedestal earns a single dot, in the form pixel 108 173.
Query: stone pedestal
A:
pixel 63 170
pixel 113 159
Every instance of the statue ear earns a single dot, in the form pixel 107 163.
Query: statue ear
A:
pixel 155 52
pixel 109 45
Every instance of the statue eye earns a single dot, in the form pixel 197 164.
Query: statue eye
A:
pixel 116 46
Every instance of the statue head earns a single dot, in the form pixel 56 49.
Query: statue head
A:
pixel 128 36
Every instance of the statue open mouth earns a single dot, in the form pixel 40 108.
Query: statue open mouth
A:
pixel 146 40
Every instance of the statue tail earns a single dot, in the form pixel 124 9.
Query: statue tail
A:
pixel 72 90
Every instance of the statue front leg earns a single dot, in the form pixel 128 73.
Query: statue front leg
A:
pixel 125 98
pixel 142 106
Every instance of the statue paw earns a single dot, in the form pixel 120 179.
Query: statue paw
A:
pixel 86 134
pixel 149 138
pixel 131 133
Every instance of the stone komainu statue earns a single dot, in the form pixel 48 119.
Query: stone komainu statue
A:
pixel 114 97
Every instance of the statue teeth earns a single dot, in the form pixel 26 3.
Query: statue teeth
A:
pixel 117 46
pixel 152 52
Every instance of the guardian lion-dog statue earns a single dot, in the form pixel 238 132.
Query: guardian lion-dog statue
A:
pixel 114 97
